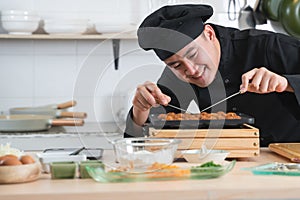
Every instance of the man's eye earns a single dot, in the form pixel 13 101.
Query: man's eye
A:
pixel 193 54
pixel 176 66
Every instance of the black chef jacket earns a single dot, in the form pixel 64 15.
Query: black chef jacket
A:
pixel 277 115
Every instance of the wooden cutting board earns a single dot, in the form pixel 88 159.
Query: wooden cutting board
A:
pixel 288 150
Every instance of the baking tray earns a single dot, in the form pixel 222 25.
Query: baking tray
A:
pixel 90 153
pixel 216 123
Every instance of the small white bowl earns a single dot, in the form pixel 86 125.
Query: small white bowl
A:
pixel 197 156
pixel 20 27
pixel 18 12
pixel 20 18
pixel 71 26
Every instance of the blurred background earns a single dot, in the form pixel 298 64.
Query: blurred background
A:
pixel 73 62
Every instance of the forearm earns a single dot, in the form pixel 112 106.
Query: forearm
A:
pixel 139 116
pixel 132 129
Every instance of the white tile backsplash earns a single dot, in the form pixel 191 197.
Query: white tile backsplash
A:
pixel 94 47
pixel 54 76
pixel 16 76
pixel 17 4
pixel 224 19
pixel 16 47
pixel 91 73
pixel 100 109
pixel 11 102
pixel 55 47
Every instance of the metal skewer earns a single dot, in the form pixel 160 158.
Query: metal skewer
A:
pixel 239 92
pixel 170 105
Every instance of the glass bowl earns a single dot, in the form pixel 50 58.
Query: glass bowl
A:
pixel 139 154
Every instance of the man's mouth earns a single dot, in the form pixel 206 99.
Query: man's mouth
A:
pixel 199 74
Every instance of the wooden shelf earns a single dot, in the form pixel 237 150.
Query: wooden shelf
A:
pixel 125 35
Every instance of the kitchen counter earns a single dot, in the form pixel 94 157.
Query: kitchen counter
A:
pixel 92 135
pixel 237 184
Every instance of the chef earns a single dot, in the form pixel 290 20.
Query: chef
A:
pixel 207 62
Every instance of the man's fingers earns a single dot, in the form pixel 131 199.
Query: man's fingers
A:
pixel 246 79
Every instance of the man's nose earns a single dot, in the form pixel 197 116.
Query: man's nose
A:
pixel 190 68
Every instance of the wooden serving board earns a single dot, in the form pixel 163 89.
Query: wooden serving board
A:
pixel 241 143
pixel 288 150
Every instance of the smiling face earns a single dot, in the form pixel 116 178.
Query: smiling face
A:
pixel 197 62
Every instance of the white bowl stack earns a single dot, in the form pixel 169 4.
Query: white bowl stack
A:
pixel 20 22
pixel 65 26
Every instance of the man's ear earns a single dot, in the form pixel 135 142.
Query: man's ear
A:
pixel 209 32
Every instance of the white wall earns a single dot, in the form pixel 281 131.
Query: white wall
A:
pixel 39 72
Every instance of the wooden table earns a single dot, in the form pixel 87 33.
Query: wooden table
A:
pixel 237 184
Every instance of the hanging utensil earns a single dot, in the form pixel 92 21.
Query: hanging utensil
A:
pixel 246 17
pixel 259 15
pixel 231 12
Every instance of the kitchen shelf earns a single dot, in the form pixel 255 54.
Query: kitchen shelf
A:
pixel 115 37
pixel 125 35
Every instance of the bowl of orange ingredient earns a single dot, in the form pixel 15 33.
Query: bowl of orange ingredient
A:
pixel 14 169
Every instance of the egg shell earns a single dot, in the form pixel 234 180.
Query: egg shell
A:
pixel 11 161
pixel 26 159
pixel 2 158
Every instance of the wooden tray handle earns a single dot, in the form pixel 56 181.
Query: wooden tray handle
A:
pixel 67 104
pixel 81 115
pixel 67 122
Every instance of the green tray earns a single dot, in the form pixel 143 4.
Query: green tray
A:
pixel 285 169
pixel 100 175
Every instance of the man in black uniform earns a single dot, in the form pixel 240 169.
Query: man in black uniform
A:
pixel 207 62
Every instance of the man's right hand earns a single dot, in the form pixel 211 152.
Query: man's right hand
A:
pixel 146 96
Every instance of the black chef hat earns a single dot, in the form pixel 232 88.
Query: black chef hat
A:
pixel 171 28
